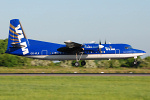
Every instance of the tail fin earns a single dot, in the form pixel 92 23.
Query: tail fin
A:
pixel 17 40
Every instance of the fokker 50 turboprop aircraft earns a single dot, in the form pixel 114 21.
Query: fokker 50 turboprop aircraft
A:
pixel 18 44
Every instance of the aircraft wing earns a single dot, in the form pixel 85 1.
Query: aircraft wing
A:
pixel 71 47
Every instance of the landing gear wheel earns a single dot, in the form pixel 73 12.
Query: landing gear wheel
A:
pixel 76 64
pixel 135 60
pixel 83 63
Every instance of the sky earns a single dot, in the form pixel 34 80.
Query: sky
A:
pixel 81 21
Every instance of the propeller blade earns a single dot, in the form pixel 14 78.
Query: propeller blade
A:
pixel 100 42
pixel 99 46
pixel 105 42
pixel 100 50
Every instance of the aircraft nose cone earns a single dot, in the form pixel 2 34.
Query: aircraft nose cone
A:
pixel 140 51
pixel 143 52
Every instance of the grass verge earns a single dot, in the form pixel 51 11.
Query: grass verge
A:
pixel 57 69
pixel 74 88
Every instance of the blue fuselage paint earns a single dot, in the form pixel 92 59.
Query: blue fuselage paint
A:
pixel 18 44
pixel 47 48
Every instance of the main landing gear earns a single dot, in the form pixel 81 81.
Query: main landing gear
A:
pixel 77 63
pixel 82 63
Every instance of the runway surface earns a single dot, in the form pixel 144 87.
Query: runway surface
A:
pixel 74 74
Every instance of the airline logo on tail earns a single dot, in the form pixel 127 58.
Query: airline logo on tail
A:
pixel 17 36
pixel 16 39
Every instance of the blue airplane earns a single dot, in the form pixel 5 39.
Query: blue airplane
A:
pixel 18 44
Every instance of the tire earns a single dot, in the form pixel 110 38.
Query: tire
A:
pixel 83 63
pixel 76 64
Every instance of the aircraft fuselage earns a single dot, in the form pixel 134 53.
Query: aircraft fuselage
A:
pixel 18 44
pixel 48 51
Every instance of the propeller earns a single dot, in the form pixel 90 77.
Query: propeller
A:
pixel 99 47
pixel 105 41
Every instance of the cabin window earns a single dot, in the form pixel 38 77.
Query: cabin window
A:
pixel 126 48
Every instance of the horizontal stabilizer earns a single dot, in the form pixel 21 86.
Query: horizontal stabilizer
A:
pixel 17 45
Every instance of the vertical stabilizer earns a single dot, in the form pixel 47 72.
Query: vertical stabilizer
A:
pixel 17 40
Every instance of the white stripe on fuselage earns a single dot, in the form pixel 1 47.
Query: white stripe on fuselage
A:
pixel 85 56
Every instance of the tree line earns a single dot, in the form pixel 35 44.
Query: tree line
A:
pixel 8 60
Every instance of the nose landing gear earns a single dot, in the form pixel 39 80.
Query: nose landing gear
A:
pixel 135 60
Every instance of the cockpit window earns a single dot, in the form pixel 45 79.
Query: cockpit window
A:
pixel 128 47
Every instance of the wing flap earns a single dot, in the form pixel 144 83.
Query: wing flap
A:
pixel 17 45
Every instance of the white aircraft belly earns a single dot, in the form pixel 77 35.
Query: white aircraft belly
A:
pixel 85 56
